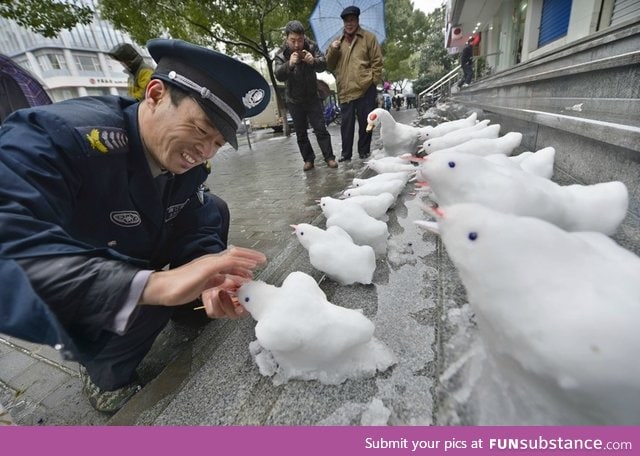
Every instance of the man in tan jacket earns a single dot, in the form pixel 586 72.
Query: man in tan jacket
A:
pixel 356 62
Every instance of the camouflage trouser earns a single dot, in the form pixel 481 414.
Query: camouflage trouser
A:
pixel 5 417
pixel 106 401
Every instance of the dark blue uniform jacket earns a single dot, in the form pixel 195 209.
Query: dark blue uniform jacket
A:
pixel 74 180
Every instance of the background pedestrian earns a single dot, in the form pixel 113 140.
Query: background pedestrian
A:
pixel 355 59
pixel 297 63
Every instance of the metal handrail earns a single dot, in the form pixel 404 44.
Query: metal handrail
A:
pixel 439 83
pixel 436 85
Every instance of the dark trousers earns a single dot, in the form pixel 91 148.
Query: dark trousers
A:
pixel 115 365
pixel 467 74
pixel 311 113
pixel 357 109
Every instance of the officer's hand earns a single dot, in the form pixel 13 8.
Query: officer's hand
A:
pixel 336 44
pixel 308 57
pixel 222 302
pixel 294 59
pixel 181 285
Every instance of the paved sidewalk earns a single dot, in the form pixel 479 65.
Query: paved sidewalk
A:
pixel 266 190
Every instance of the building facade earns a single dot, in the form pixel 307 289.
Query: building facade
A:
pixel 566 75
pixel 73 64
pixel 516 31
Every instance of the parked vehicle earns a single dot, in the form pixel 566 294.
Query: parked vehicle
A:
pixel 332 110
pixel 270 117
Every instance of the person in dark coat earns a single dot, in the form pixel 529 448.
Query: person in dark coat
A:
pixel 297 63
pixel 106 224
pixel 466 62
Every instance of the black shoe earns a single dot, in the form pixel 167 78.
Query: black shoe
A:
pixel 364 156
pixel 344 159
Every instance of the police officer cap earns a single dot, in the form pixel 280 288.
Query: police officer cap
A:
pixel 225 88
pixel 350 10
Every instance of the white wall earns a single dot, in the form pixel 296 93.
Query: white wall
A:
pixel 582 22
pixel 507 40
pixel 531 28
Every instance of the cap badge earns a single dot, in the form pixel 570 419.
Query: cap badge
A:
pixel 205 93
pixel 253 98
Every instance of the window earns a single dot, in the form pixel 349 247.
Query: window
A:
pixel 555 20
pixel 116 68
pixel 24 63
pixel 98 91
pixel 624 10
pixel 63 93
pixel 52 61
pixel 87 63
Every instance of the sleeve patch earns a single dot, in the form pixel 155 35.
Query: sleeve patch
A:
pixel 104 140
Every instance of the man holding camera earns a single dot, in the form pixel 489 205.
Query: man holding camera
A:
pixel 297 63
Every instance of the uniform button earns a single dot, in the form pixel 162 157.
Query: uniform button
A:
pixel 58 347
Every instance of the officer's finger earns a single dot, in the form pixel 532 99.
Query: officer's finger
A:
pixel 242 252
pixel 227 305
pixel 215 280
pixel 212 304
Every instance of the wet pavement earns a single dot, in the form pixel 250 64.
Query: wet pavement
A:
pixel 266 189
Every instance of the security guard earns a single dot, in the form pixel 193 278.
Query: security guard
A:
pixel 100 194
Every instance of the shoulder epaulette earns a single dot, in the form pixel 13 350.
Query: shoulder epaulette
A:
pixel 103 140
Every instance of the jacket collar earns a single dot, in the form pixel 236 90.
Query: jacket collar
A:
pixel 143 190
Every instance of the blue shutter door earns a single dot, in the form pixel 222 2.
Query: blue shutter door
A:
pixel 555 20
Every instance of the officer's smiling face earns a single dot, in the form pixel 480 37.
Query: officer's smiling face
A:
pixel 177 137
